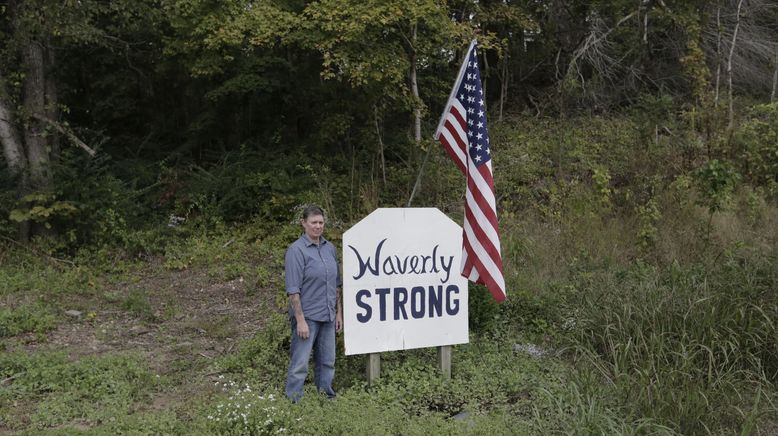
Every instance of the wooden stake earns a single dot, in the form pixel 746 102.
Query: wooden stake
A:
pixel 373 367
pixel 444 360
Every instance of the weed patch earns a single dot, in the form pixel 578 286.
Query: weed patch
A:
pixel 31 318
pixel 92 390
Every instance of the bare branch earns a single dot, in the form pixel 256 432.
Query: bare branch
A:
pixel 775 74
pixel 65 131
pixel 593 49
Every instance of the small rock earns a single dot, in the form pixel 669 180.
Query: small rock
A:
pixel 184 344
pixel 73 313
pixel 531 349
pixel 461 416
pixel 139 330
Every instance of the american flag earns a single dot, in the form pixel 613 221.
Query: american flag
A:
pixel 463 133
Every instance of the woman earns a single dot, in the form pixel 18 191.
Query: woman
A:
pixel 313 285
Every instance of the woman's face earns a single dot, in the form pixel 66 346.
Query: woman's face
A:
pixel 314 226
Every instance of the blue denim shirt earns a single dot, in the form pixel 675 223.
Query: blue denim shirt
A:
pixel 312 271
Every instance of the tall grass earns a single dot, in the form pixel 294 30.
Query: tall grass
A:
pixel 690 347
pixel 681 338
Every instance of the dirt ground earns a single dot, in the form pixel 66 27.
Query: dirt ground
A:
pixel 180 321
pixel 182 310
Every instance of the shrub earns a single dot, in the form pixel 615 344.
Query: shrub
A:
pixel 757 143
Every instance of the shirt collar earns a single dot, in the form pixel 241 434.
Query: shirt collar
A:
pixel 308 241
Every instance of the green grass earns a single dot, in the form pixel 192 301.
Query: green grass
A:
pixel 31 318
pixel 54 391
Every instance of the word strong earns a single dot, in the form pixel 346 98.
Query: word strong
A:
pixel 401 283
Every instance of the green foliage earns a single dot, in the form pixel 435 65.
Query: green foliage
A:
pixel 34 318
pixel 243 185
pixel 137 304
pixel 42 208
pixel 259 356
pixel 583 407
pixel 93 389
pixel 364 54
pixel 648 216
pixel 757 142
pixel 680 345
pixel 715 182
pixel 482 309
pixel 249 412
pixel 693 60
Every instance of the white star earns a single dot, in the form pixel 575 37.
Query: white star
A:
pixel 479 136
pixel 478 158
pixel 470 133
pixel 481 102
pixel 470 122
pixel 480 124
pixel 480 114
pixel 470 110
pixel 475 64
pixel 461 96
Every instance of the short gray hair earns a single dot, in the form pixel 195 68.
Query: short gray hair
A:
pixel 312 210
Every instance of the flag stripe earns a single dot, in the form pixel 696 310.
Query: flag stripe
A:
pixel 484 249
pixel 495 287
pixel 452 134
pixel 483 199
pixel 455 146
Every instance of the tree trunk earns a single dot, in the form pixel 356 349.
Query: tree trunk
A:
pixel 13 149
pixel 34 104
pixel 416 114
pixel 51 99
pixel 503 84
pixel 729 67
pixel 415 90
pixel 775 74
pixel 380 142
pixel 718 56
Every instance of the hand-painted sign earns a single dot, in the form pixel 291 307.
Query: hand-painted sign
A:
pixel 401 283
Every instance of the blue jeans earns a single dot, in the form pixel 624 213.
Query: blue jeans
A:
pixel 322 342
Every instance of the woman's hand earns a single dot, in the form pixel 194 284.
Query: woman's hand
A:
pixel 302 329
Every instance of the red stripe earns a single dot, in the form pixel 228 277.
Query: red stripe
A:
pixel 451 152
pixel 468 266
pixel 461 140
pixel 483 204
pixel 486 242
pixel 485 279
pixel 458 116
pixel 461 143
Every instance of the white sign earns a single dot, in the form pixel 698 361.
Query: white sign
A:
pixel 401 283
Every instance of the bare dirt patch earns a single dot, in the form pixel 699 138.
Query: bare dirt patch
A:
pixel 179 321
